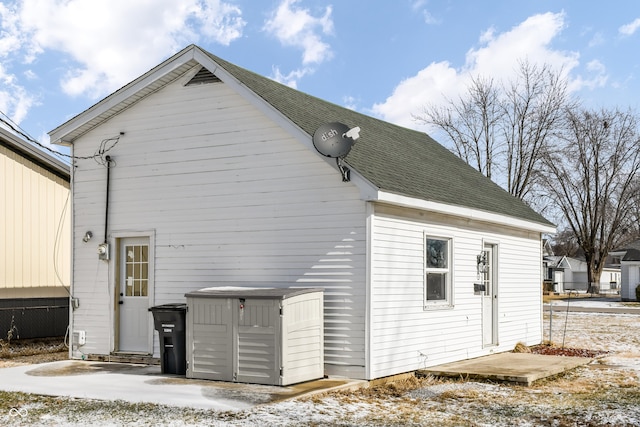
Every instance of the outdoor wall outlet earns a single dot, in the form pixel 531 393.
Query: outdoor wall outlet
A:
pixel 79 337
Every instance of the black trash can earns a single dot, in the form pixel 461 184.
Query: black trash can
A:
pixel 169 320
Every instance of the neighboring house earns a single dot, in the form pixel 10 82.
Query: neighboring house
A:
pixel 554 272
pixel 629 258
pixel 610 279
pixel 212 179
pixel 567 274
pixel 35 239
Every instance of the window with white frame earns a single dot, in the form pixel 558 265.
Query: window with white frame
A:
pixel 437 272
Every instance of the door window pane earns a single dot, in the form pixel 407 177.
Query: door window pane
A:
pixel 137 270
pixel 486 274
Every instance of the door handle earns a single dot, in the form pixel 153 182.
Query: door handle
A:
pixel 120 302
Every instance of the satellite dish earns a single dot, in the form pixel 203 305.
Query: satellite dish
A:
pixel 331 139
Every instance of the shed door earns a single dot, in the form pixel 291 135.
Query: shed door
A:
pixel 134 328
pixel 258 356
pixel 210 343
pixel 490 297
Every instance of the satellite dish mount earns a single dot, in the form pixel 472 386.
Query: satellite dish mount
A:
pixel 335 140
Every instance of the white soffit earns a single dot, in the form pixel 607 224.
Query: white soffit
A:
pixel 463 212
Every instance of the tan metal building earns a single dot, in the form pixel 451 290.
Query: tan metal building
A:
pixel 35 255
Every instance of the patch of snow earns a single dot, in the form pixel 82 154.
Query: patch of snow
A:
pixel 590 303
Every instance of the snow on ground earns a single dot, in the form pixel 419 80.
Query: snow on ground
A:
pixel 616 333
pixel 604 393
pixel 559 305
pixel 592 303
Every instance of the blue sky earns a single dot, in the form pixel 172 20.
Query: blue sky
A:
pixel 383 58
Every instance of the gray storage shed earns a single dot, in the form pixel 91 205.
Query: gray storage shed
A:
pixel 271 336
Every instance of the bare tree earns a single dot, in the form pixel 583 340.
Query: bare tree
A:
pixel 592 176
pixel 502 129
pixel 533 110
pixel 564 243
pixel 470 123
pixel 630 230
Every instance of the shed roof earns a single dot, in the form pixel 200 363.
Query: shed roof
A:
pixel 393 159
pixel 249 292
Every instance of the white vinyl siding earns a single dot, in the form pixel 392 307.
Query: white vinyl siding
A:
pixel 34 232
pixel 404 336
pixel 233 199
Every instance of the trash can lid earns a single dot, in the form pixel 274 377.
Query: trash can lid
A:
pixel 174 306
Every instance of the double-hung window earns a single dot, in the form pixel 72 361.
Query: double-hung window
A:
pixel 437 273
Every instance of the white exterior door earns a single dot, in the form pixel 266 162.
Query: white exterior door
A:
pixel 558 279
pixel 490 297
pixel 135 285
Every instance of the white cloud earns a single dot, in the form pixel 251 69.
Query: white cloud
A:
pixel 436 81
pixel 429 18
pixel 598 77
pixel 630 29
pixel 597 40
pixel 290 79
pixel 350 102
pixel 15 101
pixel 220 21
pixel 296 27
pixel 109 42
pixel 497 56
pixel 11 38
pixel 420 6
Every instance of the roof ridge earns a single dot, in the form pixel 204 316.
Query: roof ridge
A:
pixel 417 166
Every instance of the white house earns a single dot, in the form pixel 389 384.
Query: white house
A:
pixel 200 173
pixel 570 274
pixel 629 259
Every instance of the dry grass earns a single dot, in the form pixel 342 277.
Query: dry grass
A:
pixel 32 351
pixel 547 297
pixel 28 347
pixel 521 348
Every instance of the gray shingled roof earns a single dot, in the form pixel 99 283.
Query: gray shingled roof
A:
pixel 631 249
pixel 394 159
pixel 632 254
